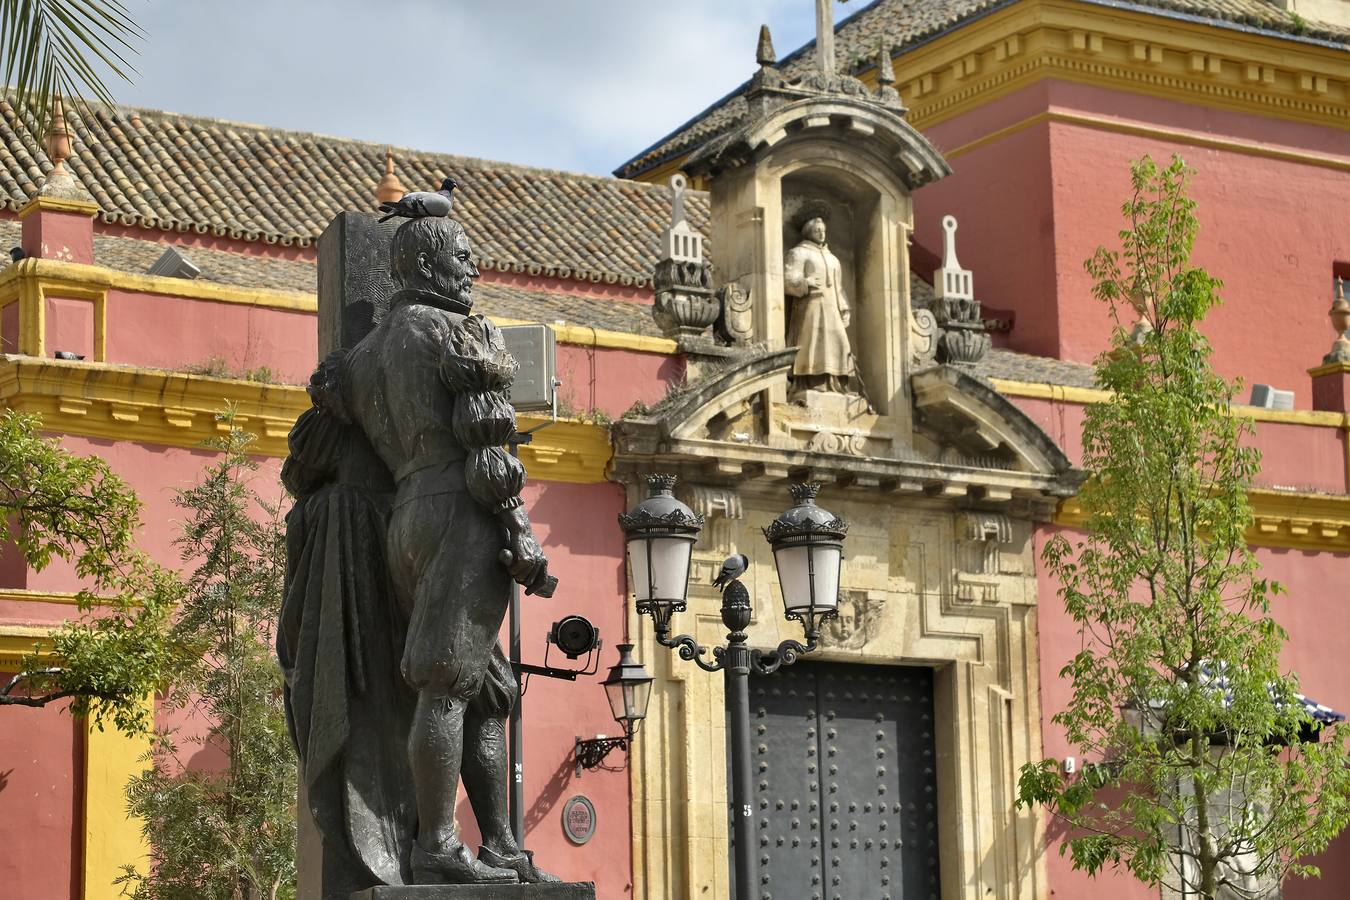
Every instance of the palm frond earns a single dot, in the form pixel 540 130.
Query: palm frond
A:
pixel 65 46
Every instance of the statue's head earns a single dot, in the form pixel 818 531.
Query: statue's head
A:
pixel 432 254
pixel 814 230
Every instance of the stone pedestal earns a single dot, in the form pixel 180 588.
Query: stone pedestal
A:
pixel 580 891
pixel 1331 387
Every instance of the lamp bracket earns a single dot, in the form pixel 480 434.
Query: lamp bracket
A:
pixel 691 651
pixel 765 661
pixel 590 753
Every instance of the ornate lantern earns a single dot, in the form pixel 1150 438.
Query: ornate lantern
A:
pixel 808 544
pixel 629 689
pixel 660 533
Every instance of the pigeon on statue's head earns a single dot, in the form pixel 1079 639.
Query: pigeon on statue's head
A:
pixel 422 204
pixel 733 568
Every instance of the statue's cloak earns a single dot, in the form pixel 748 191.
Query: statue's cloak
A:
pixel 340 643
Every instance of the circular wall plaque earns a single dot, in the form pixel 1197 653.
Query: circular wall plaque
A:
pixel 578 820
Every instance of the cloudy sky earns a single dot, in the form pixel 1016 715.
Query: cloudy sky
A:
pixel 569 84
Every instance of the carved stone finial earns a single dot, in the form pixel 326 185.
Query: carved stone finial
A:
pixel 1340 321
pixel 390 189
pixel 885 66
pixel 56 141
pixel 60 183
pixel 685 305
pixel 964 339
pixel 764 52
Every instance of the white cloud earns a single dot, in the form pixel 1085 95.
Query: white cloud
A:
pixel 571 84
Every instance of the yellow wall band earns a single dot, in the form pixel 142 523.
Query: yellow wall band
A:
pixel 156 406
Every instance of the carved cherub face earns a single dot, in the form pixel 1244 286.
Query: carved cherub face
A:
pixel 814 230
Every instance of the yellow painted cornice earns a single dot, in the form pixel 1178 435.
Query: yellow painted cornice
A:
pixel 17 641
pixel 1084 396
pixel 156 406
pixel 1317 523
pixel 1335 368
pixel 59 204
pixel 1122 49
pixel 79 275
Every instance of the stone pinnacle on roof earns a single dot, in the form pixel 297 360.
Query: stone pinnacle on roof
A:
pixel 390 189
pixel 825 37
pixel 885 66
pixel 764 52
pixel 56 141
pixel 60 184
pixel 1340 321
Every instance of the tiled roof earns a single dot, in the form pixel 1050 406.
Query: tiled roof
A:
pixel 179 173
pixel 1011 366
pixel 904 24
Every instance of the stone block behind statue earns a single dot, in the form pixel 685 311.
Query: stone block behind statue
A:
pixel 407 530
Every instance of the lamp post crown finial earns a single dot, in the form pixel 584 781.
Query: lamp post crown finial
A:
pixel 661 484
pixel 804 492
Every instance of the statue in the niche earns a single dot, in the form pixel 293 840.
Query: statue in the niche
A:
pixel 407 530
pixel 820 314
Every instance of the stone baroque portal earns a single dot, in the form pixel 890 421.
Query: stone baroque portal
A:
pixel 940 476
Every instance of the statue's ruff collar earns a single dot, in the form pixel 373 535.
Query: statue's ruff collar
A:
pixel 429 298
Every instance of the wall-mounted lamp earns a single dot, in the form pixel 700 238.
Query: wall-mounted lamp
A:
pixel 629 689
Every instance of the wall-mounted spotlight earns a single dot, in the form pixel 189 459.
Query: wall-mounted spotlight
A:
pixel 574 636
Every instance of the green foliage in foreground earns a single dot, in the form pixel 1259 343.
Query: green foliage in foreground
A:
pixel 55 505
pixel 1191 789
pixel 224 830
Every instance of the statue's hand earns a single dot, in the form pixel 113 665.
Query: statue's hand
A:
pixel 527 564
pixel 813 285
pixel 846 316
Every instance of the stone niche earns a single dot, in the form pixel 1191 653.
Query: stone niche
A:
pixel 854 162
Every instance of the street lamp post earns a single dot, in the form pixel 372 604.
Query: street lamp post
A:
pixel 807 544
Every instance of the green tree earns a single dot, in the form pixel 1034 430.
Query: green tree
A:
pixel 65 46
pixel 224 832
pixel 59 505
pixel 1208 778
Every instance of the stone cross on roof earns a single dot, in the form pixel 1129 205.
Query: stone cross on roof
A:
pixel 825 37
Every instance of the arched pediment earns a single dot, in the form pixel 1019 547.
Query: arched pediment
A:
pixel 972 444
pixel 959 409
pixel 880 129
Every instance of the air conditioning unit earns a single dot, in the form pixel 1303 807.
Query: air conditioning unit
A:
pixel 1267 397
pixel 174 265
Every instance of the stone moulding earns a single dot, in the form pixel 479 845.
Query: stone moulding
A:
pixel 919 161
pixel 157 406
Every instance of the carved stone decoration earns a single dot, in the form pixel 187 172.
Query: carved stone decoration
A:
pixel 923 338
pixel 978 555
pixel 963 339
pixel 685 304
pixel 858 622
pixel 836 442
pixel 735 321
pixel 1340 321
pixel 711 502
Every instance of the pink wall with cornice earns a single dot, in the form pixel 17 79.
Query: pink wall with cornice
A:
pixel 1267 225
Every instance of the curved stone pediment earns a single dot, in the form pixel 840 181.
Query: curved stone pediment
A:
pixel 971 444
pixel 886 133
pixel 960 410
